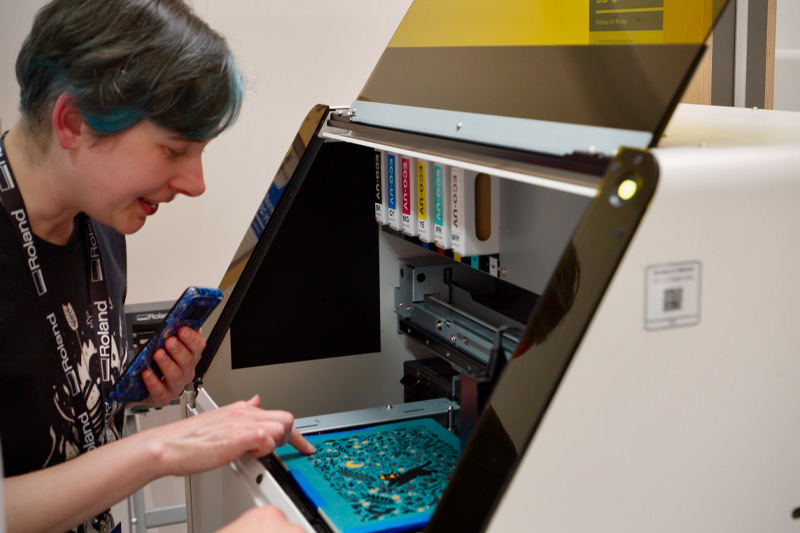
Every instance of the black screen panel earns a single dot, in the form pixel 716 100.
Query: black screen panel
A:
pixel 315 294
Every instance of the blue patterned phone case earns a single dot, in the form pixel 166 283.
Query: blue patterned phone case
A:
pixel 191 309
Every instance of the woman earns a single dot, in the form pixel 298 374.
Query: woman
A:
pixel 118 98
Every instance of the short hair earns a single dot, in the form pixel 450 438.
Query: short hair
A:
pixel 124 61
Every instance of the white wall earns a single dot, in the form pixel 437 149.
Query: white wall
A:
pixel 294 54
pixel 15 22
pixel 787 56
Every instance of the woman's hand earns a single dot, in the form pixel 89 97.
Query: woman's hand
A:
pixel 118 469
pixel 214 438
pixel 177 364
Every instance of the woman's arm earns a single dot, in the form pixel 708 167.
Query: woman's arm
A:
pixel 63 496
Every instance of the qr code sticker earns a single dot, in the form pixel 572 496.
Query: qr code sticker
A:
pixel 673 299
pixel 672 295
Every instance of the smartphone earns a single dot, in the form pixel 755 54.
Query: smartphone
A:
pixel 191 309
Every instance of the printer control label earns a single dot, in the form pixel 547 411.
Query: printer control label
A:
pixel 629 21
pixel 672 295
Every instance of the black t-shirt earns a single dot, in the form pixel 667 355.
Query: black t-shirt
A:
pixel 37 425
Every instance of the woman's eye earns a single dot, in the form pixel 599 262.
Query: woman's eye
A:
pixel 172 153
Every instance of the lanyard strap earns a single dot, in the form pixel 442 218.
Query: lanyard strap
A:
pixel 98 301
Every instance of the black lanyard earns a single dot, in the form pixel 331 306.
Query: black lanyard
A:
pixel 98 301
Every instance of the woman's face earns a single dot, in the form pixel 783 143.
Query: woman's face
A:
pixel 126 176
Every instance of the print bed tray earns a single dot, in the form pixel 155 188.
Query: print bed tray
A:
pixel 385 478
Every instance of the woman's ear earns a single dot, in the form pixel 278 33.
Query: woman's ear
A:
pixel 68 123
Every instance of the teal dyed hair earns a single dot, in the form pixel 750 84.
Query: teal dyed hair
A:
pixel 115 121
pixel 124 61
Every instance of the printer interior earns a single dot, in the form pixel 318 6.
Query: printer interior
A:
pixel 403 329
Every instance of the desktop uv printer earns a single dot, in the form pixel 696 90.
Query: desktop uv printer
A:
pixel 515 286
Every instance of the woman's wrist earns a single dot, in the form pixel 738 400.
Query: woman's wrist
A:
pixel 155 458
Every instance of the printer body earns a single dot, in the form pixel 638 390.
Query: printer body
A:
pixel 602 313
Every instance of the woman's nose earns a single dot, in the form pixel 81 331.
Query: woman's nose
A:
pixel 189 180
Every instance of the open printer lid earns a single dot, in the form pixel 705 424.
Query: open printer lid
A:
pixel 557 78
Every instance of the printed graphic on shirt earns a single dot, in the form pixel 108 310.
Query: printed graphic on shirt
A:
pixel 69 436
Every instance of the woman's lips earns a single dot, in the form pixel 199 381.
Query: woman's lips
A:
pixel 148 207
